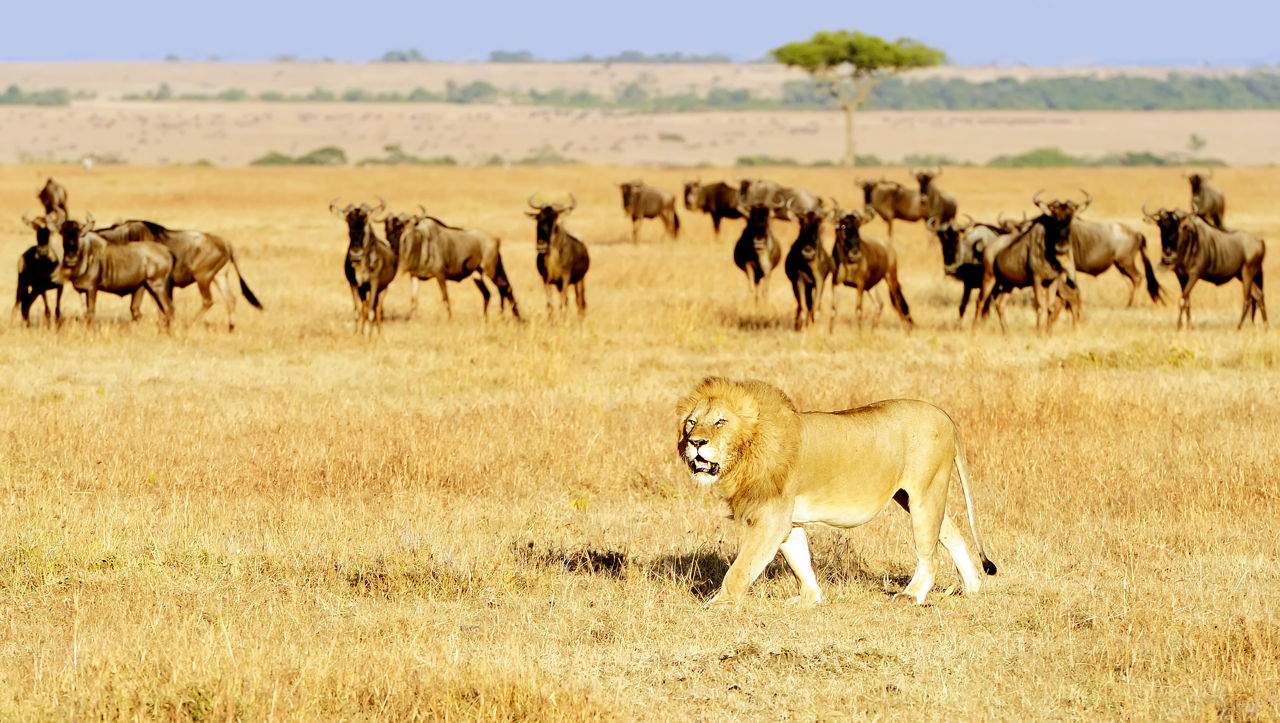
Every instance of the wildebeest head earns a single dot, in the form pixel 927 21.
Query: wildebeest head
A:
pixel 925 178
pixel 53 197
pixel 1170 222
pixel 630 190
pixel 949 235
pixel 43 226
pixel 358 219
pixel 849 236
pixel 395 224
pixel 546 217
pixel 1056 217
pixel 867 188
pixel 1197 180
pixel 691 200
pixel 71 232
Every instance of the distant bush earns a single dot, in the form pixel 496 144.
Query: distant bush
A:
pixel 412 55
pixel 13 95
pixel 475 92
pixel 1053 157
pixel 635 56
pixel 767 160
pixel 397 157
pixel 930 159
pixel 323 156
pixel 512 56
pixel 545 156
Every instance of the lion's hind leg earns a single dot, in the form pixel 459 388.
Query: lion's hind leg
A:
pixel 928 510
pixel 950 537
pixel 796 550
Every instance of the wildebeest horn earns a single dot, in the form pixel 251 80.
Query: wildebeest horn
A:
pixel 88 222
pixel 532 204
pixel 1147 214
pixel 27 220
pixel 1036 200
pixel 1088 200
pixel 333 206
pixel 937 172
pixel 971 221
pixel 422 210
pixel 573 203
pixel 931 224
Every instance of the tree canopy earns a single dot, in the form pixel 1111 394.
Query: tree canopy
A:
pixel 856 53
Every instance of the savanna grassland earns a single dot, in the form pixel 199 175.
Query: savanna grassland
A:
pixel 468 520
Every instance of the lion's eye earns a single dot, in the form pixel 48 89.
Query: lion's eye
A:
pixel 720 422
pixel 688 423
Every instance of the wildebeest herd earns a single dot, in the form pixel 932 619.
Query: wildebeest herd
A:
pixel 1044 253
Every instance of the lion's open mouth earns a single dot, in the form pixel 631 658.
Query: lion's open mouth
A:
pixel 698 465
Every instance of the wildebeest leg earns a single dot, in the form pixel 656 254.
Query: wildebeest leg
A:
pixel 206 299
pixel 831 327
pixel 999 302
pixel 159 291
pixel 857 307
pixel 444 296
pixel 875 299
pixel 413 295
pixel 1246 280
pixel 90 306
pixel 580 295
pixel 135 304
pixel 1129 268
pixel 715 224
pixel 964 299
pixel 57 310
pixel 546 288
pixel 1184 303
pixel 484 291
pixel 223 282
pixel 797 292
pixel 635 230
pixel 357 301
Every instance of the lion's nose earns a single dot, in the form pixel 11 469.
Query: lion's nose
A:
pixel 697 441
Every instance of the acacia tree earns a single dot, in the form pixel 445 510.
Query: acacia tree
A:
pixel 850 64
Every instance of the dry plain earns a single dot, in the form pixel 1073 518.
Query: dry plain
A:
pixel 468 520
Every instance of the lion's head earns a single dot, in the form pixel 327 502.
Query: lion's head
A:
pixel 740 437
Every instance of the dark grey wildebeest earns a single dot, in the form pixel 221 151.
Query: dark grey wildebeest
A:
pixel 757 252
pixel 1207 202
pixel 359 219
pixel 1036 257
pixel 37 268
pixel 203 259
pixel 719 200
pixel 892 201
pixel 91 264
pixel 641 201
pixel 1195 250
pixel 939 206
pixel 808 266
pixel 432 249
pixel 562 259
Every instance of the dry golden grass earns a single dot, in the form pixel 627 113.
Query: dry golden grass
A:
pixel 461 520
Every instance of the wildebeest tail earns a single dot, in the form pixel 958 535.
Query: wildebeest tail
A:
pixel 962 469
pixel 675 223
pixel 1153 284
pixel 505 291
pixel 244 288
pixel 899 301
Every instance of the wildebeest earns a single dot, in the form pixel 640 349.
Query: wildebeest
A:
pixel 863 263
pixel 1195 250
pixel 939 206
pixel 892 201
pixel 359 219
pixel 718 199
pixel 757 252
pixel 641 201
pixel 375 269
pixel 1207 202
pixel 1036 257
pixel 1096 246
pixel 37 268
pixel 54 199
pixel 562 259
pixel 432 249
pixel 203 259
pixel 961 258
pixel 808 266
pixel 91 264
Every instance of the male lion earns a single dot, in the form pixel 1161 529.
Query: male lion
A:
pixel 779 469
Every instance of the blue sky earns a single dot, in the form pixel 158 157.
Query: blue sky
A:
pixel 1223 32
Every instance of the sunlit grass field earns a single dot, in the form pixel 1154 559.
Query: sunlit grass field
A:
pixel 468 520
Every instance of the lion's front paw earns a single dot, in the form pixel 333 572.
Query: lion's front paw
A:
pixel 804 601
pixel 720 602
pixel 908 597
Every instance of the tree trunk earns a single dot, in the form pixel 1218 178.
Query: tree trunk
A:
pixel 850 148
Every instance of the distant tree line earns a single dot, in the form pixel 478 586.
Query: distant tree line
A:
pixel 1251 91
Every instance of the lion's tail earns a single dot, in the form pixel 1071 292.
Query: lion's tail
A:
pixel 962 468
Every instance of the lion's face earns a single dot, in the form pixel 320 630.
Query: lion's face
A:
pixel 712 434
